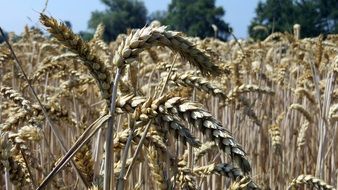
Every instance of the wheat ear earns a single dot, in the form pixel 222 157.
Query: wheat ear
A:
pixel 203 149
pixel 156 171
pixel 190 79
pixel 246 88
pixel 193 113
pixel 53 64
pixel 98 35
pixel 85 162
pixel 303 111
pixel 152 138
pixel 4 57
pixel 305 92
pixel 147 37
pixel 16 97
pixel 224 169
pixel 274 131
pixel 72 41
pixel 309 180
pixel 333 112
pixel 244 183
pixel 17 172
pixel 185 176
pixel 302 134
pixel 129 103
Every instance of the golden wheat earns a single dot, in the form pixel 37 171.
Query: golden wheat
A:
pixel 209 128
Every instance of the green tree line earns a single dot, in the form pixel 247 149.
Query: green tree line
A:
pixel 202 18
pixel 314 16
pixel 194 17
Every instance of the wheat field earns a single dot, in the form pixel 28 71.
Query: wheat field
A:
pixel 168 111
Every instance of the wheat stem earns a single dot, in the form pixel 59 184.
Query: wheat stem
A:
pixel 121 179
pixel 109 154
pixel 138 148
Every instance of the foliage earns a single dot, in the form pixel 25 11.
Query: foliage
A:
pixel 86 35
pixel 328 20
pixel 196 17
pixel 158 15
pixel 315 17
pixel 68 24
pixel 119 16
pixel 271 15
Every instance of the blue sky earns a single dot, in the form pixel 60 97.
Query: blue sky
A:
pixel 15 14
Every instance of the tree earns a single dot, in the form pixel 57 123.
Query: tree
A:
pixel 308 17
pixel 119 15
pixel 87 36
pixel 315 17
pixel 196 17
pixel 274 15
pixel 328 10
pixel 68 24
pixel 2 39
pixel 158 15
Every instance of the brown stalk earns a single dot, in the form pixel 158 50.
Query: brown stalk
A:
pixel 121 179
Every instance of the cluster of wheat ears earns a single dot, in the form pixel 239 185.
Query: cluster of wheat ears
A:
pixel 157 109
